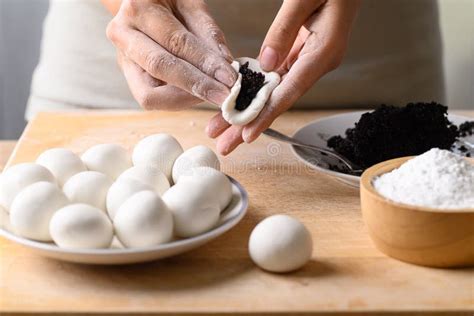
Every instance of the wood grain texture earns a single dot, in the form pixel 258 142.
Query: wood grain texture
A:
pixel 6 148
pixel 346 273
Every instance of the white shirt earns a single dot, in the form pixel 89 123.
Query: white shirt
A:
pixel 394 55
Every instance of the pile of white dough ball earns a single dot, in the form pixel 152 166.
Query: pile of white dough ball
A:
pixel 158 193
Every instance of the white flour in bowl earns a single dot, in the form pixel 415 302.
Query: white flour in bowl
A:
pixel 436 179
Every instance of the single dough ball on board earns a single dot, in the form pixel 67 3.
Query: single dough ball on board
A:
pixel 143 220
pixel 280 243
pixel 110 159
pixel 198 156
pixel 150 175
pixel 120 191
pixel 159 150
pixel 88 187
pixel 215 181
pixel 33 208
pixel 81 226
pixel 62 163
pixel 17 177
pixel 195 210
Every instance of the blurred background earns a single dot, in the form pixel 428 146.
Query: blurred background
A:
pixel 20 36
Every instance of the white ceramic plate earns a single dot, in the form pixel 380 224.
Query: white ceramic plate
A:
pixel 319 131
pixel 229 218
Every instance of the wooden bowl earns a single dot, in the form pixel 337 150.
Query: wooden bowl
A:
pixel 419 235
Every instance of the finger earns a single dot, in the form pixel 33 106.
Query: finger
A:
pixel 282 98
pixel 294 51
pixel 199 21
pixel 322 52
pixel 311 65
pixel 216 126
pixel 283 31
pixel 229 140
pixel 153 94
pixel 160 64
pixel 171 34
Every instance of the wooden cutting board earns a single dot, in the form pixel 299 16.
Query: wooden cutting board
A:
pixel 346 273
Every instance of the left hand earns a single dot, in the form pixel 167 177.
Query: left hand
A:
pixel 307 39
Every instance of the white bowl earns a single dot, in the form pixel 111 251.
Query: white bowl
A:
pixel 228 219
pixel 319 131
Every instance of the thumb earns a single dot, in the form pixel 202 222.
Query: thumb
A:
pixel 284 30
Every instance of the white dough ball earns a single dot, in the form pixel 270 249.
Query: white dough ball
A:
pixel 88 187
pixel 159 150
pixel 110 159
pixel 195 210
pixel 62 163
pixel 149 175
pixel 120 191
pixel 143 220
pixel 214 180
pixel 197 156
pixel 81 226
pixel 33 208
pixel 17 177
pixel 280 243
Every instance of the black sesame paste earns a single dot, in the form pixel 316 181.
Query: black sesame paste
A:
pixel 252 82
pixel 391 132
pixel 466 129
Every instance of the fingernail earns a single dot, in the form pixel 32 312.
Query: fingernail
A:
pixel 224 76
pixel 216 97
pixel 269 59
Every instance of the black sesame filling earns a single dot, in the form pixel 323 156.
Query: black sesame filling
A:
pixel 252 82
pixel 391 132
pixel 466 129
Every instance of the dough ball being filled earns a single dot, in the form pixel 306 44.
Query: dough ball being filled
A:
pixel 159 150
pixel 81 226
pixel 17 177
pixel 62 163
pixel 149 175
pixel 143 220
pixel 195 210
pixel 280 243
pixel 120 191
pixel 214 180
pixel 198 156
pixel 88 187
pixel 250 92
pixel 110 159
pixel 33 208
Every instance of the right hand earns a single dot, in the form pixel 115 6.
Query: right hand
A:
pixel 172 53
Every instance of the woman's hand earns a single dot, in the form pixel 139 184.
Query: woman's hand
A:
pixel 172 53
pixel 307 39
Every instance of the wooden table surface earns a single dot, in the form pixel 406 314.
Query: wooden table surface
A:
pixel 346 273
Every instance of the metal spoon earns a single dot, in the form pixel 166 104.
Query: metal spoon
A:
pixel 353 168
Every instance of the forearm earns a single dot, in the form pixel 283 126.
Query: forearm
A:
pixel 112 5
